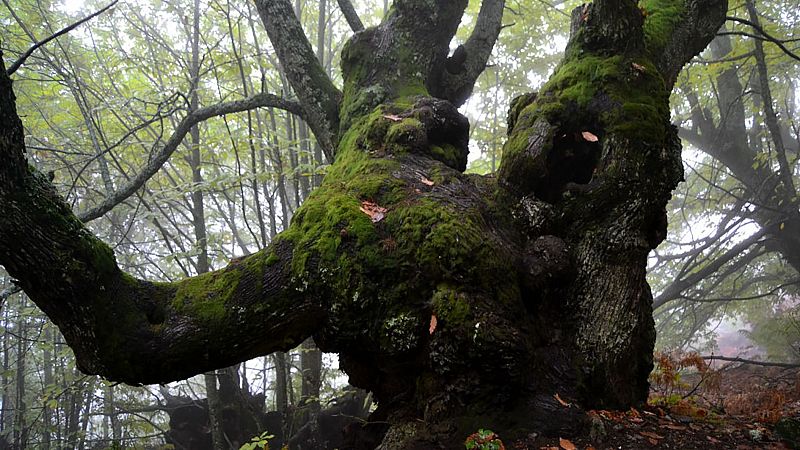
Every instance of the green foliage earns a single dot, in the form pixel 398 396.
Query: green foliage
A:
pixel 484 440
pixel 260 441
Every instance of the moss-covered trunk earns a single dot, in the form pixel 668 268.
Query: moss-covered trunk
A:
pixel 460 301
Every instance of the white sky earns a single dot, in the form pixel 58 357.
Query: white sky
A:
pixel 73 6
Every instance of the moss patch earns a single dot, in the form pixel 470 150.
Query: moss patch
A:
pixel 661 19
pixel 450 306
pixel 205 295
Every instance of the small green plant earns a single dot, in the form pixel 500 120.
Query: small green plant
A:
pixel 260 441
pixel 484 440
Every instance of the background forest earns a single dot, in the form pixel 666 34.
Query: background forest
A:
pixel 108 103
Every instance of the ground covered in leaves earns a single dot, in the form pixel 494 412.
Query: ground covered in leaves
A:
pixel 697 406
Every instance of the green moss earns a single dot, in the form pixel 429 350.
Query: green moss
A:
pixel 101 255
pixel 407 92
pixel 628 93
pixel 206 295
pixel 272 259
pixel 661 19
pixel 447 154
pixel 406 135
pixel 389 267
pixel 451 307
pixel 519 103
pixel 333 213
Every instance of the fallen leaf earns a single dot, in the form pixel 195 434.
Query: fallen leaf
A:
pixel 634 416
pixel 589 136
pixel 652 441
pixel 566 445
pixel 650 435
pixel 426 181
pixel 639 67
pixel 563 403
pixel 434 321
pixel 712 440
pixel 590 448
pixel 393 117
pixel 675 427
pixel 375 212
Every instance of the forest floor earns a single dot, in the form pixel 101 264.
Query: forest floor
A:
pixel 736 407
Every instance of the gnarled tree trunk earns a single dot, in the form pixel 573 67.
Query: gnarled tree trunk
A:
pixel 460 301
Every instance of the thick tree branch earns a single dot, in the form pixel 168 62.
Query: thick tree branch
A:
pixel 132 330
pixel 351 15
pixel 458 76
pixel 405 55
pixel 318 96
pixel 700 20
pixel 261 100
pixel 21 60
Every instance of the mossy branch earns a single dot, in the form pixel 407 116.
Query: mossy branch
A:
pixel 315 90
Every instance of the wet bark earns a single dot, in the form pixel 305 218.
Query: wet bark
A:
pixel 459 301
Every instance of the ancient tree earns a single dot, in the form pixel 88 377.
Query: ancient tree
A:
pixel 460 301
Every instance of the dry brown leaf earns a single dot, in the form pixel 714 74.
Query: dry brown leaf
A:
pixel 712 440
pixel 652 441
pixel 589 136
pixel 434 321
pixel 393 117
pixel 375 212
pixel 566 444
pixel 639 67
pixel 426 181
pixel 563 403
pixel 650 435
pixel 675 427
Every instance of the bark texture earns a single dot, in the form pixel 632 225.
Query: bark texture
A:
pixel 460 301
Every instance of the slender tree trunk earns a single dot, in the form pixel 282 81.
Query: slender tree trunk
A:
pixel 47 369
pixel 84 415
pixel 21 408
pixel 286 212
pixel 199 223
pixel 311 379
pixel 7 413
pixel 281 389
